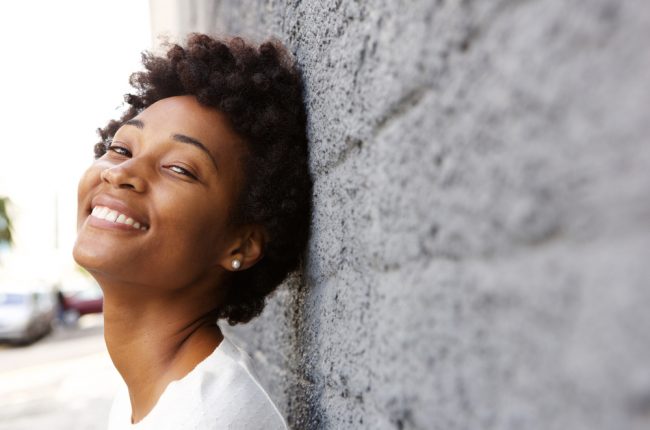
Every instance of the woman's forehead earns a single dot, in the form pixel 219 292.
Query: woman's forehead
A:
pixel 184 118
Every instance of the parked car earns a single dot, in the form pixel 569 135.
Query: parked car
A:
pixel 25 315
pixel 77 303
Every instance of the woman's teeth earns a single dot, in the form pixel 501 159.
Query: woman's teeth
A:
pixel 111 215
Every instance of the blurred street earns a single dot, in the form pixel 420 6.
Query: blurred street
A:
pixel 63 381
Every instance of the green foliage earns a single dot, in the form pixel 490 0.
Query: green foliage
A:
pixel 83 271
pixel 5 222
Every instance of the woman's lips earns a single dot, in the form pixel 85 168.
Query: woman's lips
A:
pixel 112 216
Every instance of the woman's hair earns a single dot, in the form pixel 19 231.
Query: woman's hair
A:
pixel 259 89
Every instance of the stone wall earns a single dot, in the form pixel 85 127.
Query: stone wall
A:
pixel 480 254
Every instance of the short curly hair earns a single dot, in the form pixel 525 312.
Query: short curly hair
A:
pixel 260 91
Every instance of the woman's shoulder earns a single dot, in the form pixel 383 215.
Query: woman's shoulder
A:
pixel 222 391
pixel 230 391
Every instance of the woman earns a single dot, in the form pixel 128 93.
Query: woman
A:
pixel 196 208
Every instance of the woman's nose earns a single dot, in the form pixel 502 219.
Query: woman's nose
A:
pixel 123 176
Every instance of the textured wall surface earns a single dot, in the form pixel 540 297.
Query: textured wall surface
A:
pixel 480 254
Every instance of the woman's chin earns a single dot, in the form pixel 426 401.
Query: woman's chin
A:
pixel 94 259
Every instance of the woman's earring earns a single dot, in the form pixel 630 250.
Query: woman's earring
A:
pixel 236 264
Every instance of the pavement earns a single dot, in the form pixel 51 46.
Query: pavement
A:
pixel 63 381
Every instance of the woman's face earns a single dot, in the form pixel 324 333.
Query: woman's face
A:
pixel 153 210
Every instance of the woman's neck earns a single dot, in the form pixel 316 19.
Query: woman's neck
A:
pixel 153 341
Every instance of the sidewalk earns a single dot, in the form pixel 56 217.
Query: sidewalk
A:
pixel 65 382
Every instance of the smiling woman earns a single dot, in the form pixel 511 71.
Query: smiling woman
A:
pixel 196 208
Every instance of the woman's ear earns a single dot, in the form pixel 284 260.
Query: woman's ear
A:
pixel 246 250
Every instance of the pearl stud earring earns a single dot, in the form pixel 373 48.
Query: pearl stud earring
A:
pixel 236 264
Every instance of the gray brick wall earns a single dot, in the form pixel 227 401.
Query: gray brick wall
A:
pixel 480 256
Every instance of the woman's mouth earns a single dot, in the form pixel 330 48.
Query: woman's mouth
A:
pixel 111 215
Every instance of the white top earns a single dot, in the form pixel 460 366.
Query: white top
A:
pixel 221 392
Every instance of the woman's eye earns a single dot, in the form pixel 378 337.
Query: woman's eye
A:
pixel 182 171
pixel 119 150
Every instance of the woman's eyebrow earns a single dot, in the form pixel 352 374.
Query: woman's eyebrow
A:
pixel 179 138
pixel 191 141
pixel 136 123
